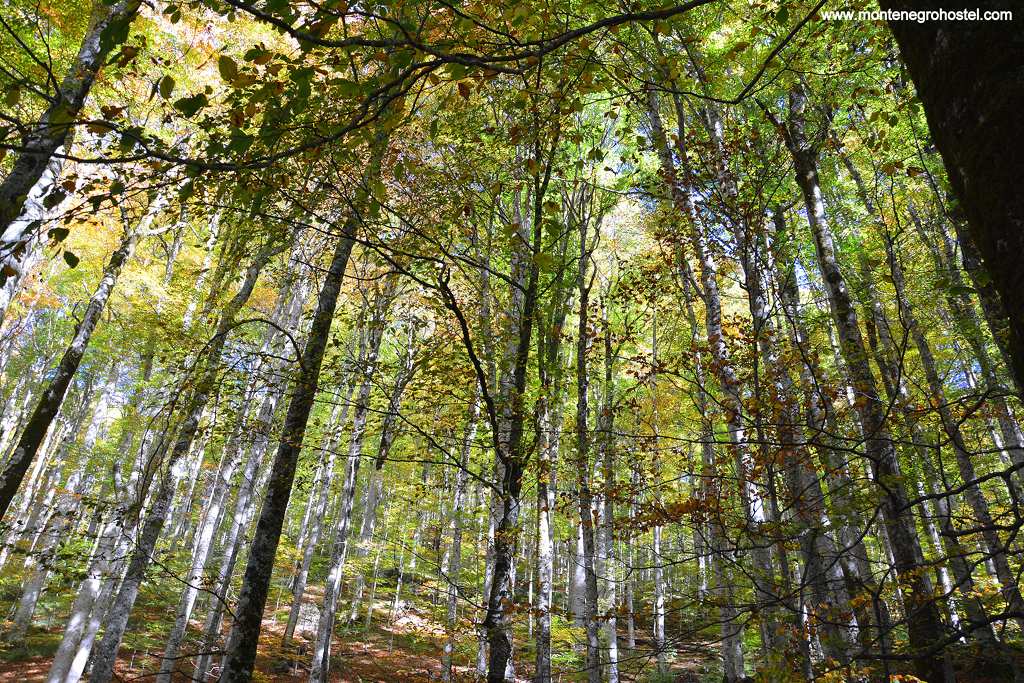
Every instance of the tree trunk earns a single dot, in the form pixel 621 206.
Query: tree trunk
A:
pixel 241 647
pixel 828 599
pixel 336 424
pixel 374 488
pixel 108 26
pixel 287 313
pixel 550 363
pixel 218 498
pixel 508 430
pixel 53 396
pixel 994 546
pixel 588 528
pixel 339 542
pixel 724 370
pixel 924 624
pixel 606 425
pixel 970 78
pixel 103 572
pixel 730 627
pixel 455 551
pixel 117 618
pixel 242 643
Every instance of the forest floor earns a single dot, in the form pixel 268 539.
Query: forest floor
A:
pixel 407 650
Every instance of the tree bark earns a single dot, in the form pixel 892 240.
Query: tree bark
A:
pixel 970 78
pixel 318 511
pixel 995 548
pixel 53 396
pixel 287 314
pixel 108 26
pixel 142 556
pixel 584 494
pixel 606 425
pixel 242 642
pixel 454 567
pixel 244 637
pixel 374 487
pixel 924 624
pixel 725 373
pixel 339 542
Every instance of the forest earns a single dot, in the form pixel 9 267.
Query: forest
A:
pixel 510 340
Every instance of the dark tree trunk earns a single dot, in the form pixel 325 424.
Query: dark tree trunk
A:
pixel 143 553
pixel 970 78
pixel 252 598
pixel 52 398
pixel 245 633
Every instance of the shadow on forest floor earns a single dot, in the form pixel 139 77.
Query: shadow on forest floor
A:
pixel 406 650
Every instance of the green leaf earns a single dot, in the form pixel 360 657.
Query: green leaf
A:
pixel 227 68
pixel 240 142
pixel 115 33
pixel 347 88
pixel 190 106
pixel 61 115
pixel 70 259
pixel 58 234
pixel 166 86
pixel 53 199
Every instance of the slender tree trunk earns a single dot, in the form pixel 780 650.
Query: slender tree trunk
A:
pixel 337 423
pixel 241 649
pixel 43 554
pixel 339 542
pixel 84 607
pixel 730 627
pixel 376 573
pixel 103 572
pixel 413 551
pixel 549 433
pixel 37 163
pixel 978 624
pixel 288 312
pixel 588 528
pixel 218 498
pixel 994 546
pixel 242 643
pixel 852 555
pixel 828 598
pixel 725 372
pixel 606 425
pixel 508 437
pixel 53 396
pixel 120 610
pixel 631 563
pixel 924 624
pixel 454 567
pixel 1009 438
pixel 374 488
pixel 547 454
